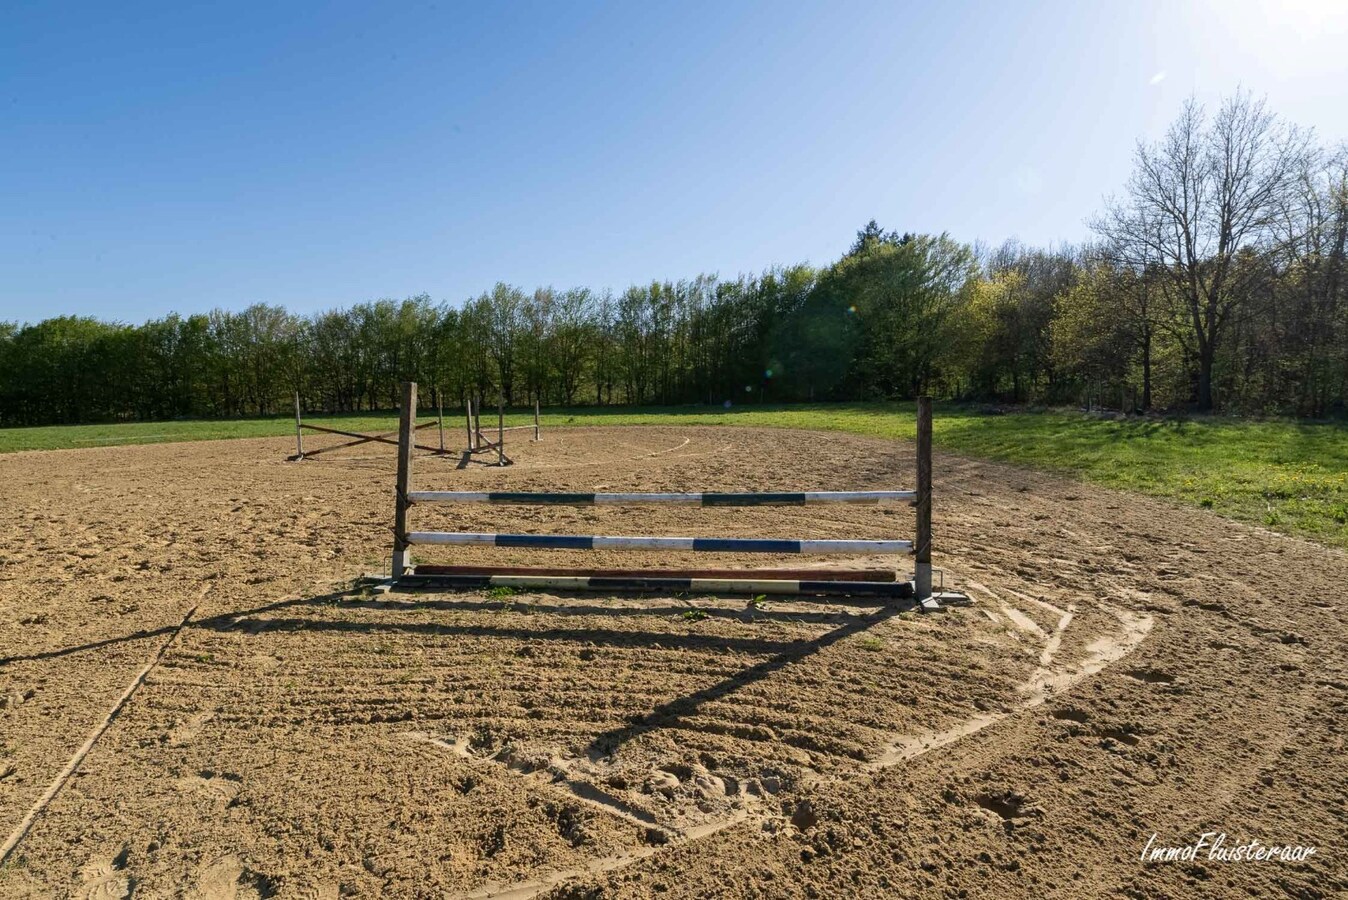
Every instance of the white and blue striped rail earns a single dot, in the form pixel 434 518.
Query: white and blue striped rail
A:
pixel 697 545
pixel 527 498
pixel 747 584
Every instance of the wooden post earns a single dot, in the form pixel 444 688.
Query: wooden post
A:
pixel 468 421
pixel 477 422
pixel 440 417
pixel 922 542
pixel 407 422
pixel 536 437
pixel 500 428
pixel 299 434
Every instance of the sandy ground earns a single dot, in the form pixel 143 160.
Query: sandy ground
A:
pixel 1128 669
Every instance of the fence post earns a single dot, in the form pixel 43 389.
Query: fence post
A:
pixel 536 418
pixel 407 422
pixel 468 421
pixel 299 435
pixel 922 545
pixel 500 428
pixel 440 417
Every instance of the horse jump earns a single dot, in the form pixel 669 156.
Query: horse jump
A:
pixel 387 437
pixel 776 581
pixel 480 443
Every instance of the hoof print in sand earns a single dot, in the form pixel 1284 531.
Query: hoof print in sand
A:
pixel 227 878
pixel 1151 676
pixel 106 879
pixel 1012 809
pixel 327 890
pixel 184 733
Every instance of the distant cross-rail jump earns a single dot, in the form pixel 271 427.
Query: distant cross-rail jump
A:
pixel 478 442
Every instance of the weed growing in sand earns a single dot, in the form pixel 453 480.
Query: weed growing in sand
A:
pixel 694 615
pixel 501 592
pixel 874 644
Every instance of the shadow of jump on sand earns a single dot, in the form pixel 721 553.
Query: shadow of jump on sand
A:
pixel 669 713
pixel 358 598
pixel 780 653
pixel 217 622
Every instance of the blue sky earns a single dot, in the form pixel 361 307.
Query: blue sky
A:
pixel 184 156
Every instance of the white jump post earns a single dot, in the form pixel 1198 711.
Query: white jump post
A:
pixel 406 426
pixel 468 422
pixel 922 544
pixel 536 437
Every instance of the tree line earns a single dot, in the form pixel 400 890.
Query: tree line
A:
pixel 1215 281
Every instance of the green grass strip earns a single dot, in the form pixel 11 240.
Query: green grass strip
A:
pixel 1285 475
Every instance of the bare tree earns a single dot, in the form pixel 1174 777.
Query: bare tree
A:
pixel 1202 205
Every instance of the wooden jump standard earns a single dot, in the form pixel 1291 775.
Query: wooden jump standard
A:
pixel 480 443
pixel 477 441
pixel 774 581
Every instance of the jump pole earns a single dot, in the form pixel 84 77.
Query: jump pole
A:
pixel 804 574
pixel 299 432
pixel 741 584
pixel 406 424
pixel 701 498
pixel 922 543
pixel 650 542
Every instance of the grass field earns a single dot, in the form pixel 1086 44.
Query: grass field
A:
pixel 1288 476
